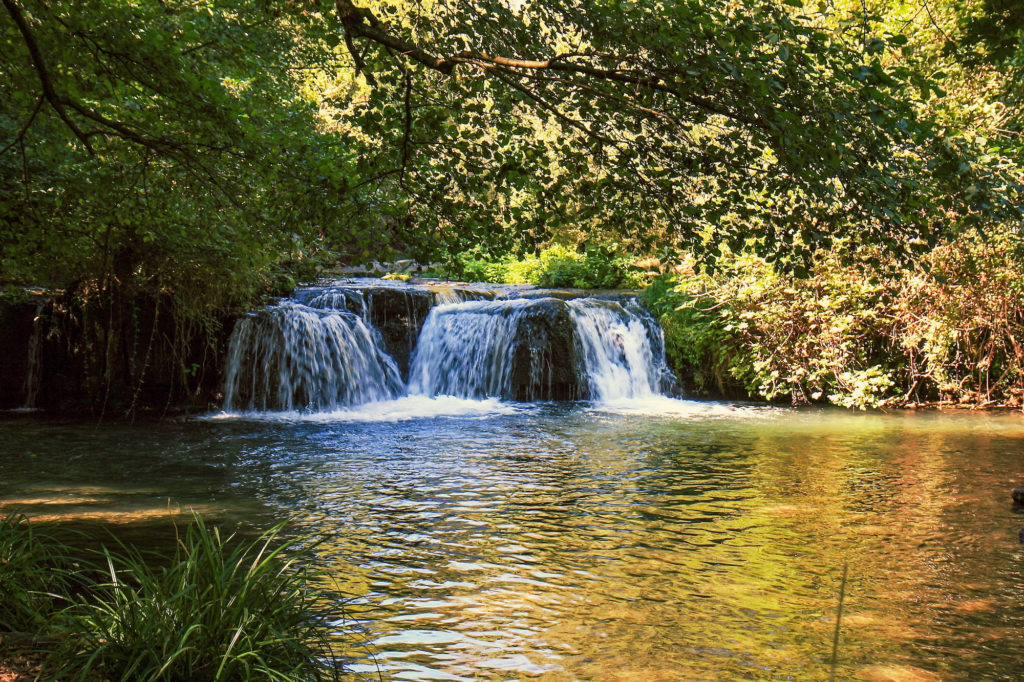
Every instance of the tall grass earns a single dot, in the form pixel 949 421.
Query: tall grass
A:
pixel 220 610
pixel 33 575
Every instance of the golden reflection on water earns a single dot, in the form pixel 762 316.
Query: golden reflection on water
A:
pixel 721 579
pixel 571 545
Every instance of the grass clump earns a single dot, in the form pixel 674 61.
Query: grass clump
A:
pixel 219 609
pixel 33 575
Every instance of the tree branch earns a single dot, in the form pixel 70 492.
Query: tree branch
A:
pixel 49 92
pixel 61 103
pixel 407 127
pixel 24 129
pixel 361 23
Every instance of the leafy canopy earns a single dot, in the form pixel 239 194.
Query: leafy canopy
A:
pixel 163 145
pixel 686 124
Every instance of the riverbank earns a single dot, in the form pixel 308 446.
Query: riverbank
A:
pixel 944 334
pixel 853 332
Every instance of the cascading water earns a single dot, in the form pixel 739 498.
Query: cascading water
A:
pixel 615 346
pixel 33 373
pixel 471 350
pixel 352 300
pixel 294 357
pixel 329 350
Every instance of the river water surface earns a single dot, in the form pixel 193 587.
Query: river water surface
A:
pixel 656 541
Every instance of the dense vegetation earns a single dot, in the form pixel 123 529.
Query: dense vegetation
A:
pixel 600 266
pixel 865 328
pixel 164 164
pixel 946 330
pixel 219 609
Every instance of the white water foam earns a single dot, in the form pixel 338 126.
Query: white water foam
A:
pixel 400 409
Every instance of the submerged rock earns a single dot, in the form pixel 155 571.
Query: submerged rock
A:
pixel 1018 495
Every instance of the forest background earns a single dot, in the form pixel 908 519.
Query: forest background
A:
pixel 823 200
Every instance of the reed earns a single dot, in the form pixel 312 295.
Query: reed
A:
pixel 839 620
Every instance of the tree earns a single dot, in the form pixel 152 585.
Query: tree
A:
pixel 149 148
pixel 717 122
pixel 154 156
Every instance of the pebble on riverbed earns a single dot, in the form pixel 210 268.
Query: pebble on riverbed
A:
pixel 1018 495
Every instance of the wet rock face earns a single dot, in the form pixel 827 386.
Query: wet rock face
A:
pixel 545 365
pixel 16 321
pixel 398 315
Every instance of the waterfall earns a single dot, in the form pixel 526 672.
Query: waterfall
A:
pixel 468 349
pixel 34 366
pixel 350 344
pixel 294 357
pixel 352 300
pixel 622 352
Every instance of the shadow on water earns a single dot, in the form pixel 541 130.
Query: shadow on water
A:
pixel 570 541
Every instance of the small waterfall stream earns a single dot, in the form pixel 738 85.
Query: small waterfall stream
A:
pixel 293 357
pixel 616 350
pixel 34 364
pixel 467 349
pixel 325 349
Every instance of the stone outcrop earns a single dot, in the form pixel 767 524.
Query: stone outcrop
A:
pixel 398 315
pixel 545 366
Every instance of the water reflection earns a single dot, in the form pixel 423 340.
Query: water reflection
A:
pixel 571 543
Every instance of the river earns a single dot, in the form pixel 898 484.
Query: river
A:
pixel 641 540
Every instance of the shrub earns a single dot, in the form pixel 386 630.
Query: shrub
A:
pixel 600 266
pixel 949 329
pixel 221 610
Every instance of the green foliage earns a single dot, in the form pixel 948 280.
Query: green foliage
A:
pixel 851 334
pixel 221 610
pixel 692 125
pixel 34 572
pixel 558 266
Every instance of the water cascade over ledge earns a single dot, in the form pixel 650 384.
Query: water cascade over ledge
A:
pixel 518 349
pixel 293 357
pixel 367 341
pixel 622 350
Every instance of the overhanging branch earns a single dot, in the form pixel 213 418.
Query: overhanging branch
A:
pixel 358 22
pixel 63 105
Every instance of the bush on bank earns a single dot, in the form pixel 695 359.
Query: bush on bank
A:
pixel 599 266
pixel 949 329
pixel 219 609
